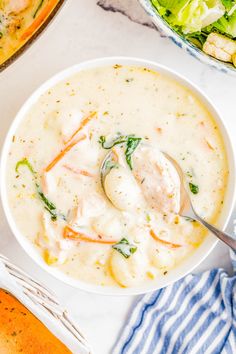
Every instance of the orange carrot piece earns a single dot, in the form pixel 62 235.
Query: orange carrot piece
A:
pixel 169 244
pixel 78 172
pixel 71 234
pixel 159 130
pixel 84 122
pixel 39 19
pixel 63 153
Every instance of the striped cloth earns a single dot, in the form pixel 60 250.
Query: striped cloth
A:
pixel 195 315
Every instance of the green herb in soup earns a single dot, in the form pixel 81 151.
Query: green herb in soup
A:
pixel 25 162
pixel 193 188
pixel 131 142
pixel 125 248
pixel 48 205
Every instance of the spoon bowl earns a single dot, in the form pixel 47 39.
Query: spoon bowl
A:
pixel 107 164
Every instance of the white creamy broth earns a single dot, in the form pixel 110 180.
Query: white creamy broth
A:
pixel 131 232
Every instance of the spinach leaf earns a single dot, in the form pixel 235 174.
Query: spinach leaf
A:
pixel 125 248
pixel 45 200
pixel 48 205
pixel 53 214
pixel 132 144
pixel 193 188
pixel 119 140
pixel 25 162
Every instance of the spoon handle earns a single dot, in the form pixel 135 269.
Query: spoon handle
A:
pixel 223 236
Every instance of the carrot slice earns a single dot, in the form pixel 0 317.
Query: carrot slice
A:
pixel 84 122
pixel 39 19
pixel 78 172
pixel 63 153
pixel 71 234
pixel 169 244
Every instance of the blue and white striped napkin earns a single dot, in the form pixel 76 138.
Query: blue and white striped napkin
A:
pixel 195 315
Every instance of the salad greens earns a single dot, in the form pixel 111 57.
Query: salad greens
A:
pixel 225 25
pixel 196 19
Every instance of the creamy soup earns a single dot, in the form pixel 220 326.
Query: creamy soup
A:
pixel 90 186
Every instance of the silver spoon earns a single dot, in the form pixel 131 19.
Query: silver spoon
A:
pixel 107 164
pixel 188 211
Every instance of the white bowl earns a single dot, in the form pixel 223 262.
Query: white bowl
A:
pixel 189 263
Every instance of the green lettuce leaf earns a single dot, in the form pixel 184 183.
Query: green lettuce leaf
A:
pixel 190 15
pixel 228 4
pixel 225 25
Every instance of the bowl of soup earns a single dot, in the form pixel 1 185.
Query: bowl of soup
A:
pixel 86 185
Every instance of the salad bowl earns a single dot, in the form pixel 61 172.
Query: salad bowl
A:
pixel 167 31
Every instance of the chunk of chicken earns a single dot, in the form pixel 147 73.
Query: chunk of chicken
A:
pixel 66 121
pixel 159 180
pixel 16 6
pixel 51 241
pixel 220 47
pixel 88 208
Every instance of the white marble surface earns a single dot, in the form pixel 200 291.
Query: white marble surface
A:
pixel 84 31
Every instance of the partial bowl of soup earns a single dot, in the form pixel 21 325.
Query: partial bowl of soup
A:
pixel 86 185
pixel 21 22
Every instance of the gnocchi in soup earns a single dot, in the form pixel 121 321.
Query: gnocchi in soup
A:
pixel 88 182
